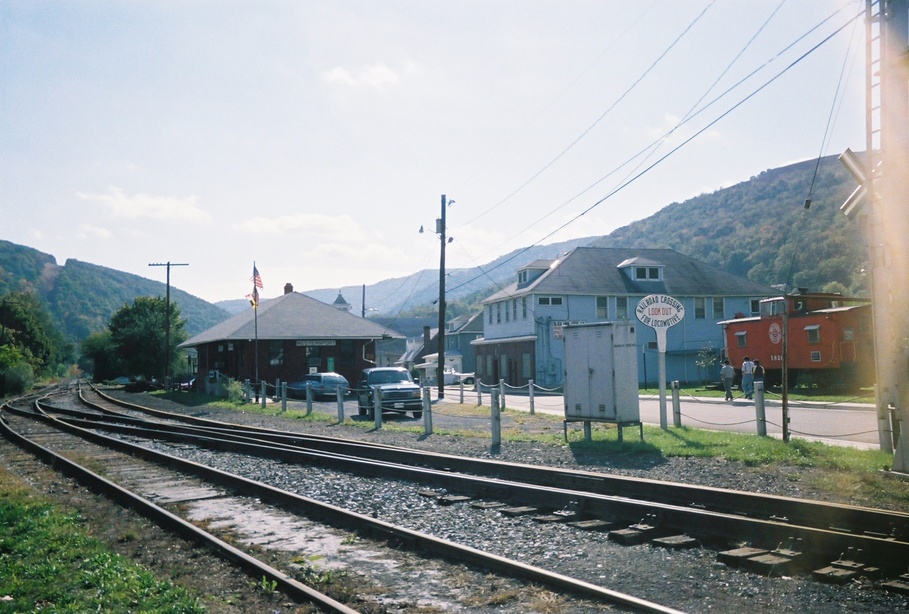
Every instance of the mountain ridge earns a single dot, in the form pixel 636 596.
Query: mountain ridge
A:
pixel 760 229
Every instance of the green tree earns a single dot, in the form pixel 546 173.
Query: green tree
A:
pixel 138 332
pixel 100 357
pixel 26 325
pixel 16 375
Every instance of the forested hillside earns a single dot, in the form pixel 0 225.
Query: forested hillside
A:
pixel 81 297
pixel 760 229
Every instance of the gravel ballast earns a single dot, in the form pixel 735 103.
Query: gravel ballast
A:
pixel 689 580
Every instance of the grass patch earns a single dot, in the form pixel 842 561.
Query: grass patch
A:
pixel 48 563
pixel 795 394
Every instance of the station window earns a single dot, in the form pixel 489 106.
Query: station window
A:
pixel 276 352
pixel 621 307
pixel 526 366
pixel 524 307
pixel 700 308
pixel 602 308
pixel 719 313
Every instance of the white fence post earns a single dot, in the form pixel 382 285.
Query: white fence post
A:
pixel 759 408
pixel 340 395
pixel 530 395
pixel 427 412
pixel 377 407
pixel 496 419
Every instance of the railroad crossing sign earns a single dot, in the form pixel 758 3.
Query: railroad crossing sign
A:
pixel 659 312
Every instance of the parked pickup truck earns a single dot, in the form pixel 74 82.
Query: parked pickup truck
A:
pixel 399 392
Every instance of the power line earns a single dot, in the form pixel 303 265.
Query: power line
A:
pixel 600 118
pixel 638 175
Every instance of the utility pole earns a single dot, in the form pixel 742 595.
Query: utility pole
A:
pixel 890 224
pixel 884 186
pixel 167 324
pixel 440 230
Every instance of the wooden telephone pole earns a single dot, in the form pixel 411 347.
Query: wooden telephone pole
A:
pixel 167 324
pixel 884 188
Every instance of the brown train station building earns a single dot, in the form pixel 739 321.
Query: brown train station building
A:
pixel 285 338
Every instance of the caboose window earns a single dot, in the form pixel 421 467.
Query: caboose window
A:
pixel 741 339
pixel 848 333
pixel 814 333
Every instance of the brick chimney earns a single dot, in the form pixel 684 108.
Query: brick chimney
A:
pixel 288 288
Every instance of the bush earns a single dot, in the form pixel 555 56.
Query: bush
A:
pixel 16 378
pixel 233 390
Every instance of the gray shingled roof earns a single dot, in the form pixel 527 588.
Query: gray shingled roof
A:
pixel 594 270
pixel 294 316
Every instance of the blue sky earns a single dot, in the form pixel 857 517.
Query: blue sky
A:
pixel 315 138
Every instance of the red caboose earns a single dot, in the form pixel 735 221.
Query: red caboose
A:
pixel 829 339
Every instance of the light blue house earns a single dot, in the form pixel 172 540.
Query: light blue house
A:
pixel 522 324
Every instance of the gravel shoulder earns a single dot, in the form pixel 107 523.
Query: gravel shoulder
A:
pixel 687 581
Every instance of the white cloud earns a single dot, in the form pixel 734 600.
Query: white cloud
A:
pixel 87 231
pixel 316 225
pixel 375 76
pixel 148 206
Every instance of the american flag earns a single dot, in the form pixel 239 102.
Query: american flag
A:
pixel 256 278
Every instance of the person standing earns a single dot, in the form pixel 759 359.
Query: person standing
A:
pixel 748 378
pixel 758 372
pixel 727 374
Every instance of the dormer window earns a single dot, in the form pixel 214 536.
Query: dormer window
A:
pixel 522 277
pixel 642 269
pixel 649 273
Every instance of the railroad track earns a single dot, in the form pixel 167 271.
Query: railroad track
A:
pixel 790 534
pixel 45 425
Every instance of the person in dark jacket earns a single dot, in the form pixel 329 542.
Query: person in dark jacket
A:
pixel 758 372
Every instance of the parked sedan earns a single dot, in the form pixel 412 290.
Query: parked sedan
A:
pixel 324 385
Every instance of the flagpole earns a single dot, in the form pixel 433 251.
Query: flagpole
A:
pixel 256 283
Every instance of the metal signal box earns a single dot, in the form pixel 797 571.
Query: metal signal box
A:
pixel 601 373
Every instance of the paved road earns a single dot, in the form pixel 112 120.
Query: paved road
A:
pixel 852 424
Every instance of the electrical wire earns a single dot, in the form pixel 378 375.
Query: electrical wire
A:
pixel 587 131
pixel 659 140
pixel 675 149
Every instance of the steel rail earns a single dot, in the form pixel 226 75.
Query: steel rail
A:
pixel 839 518
pixel 820 544
pixel 341 517
pixel 252 566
